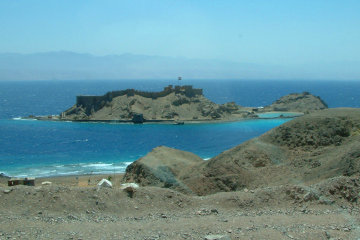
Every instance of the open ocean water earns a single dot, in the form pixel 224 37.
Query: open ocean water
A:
pixel 39 148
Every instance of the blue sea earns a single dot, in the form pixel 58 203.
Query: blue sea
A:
pixel 41 148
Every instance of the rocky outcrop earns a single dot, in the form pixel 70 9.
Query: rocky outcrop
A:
pixel 310 148
pixel 298 102
pixel 179 103
pixel 163 167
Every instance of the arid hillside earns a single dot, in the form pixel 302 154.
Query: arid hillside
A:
pixel 307 149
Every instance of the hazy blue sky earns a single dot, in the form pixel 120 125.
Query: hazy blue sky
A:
pixel 283 32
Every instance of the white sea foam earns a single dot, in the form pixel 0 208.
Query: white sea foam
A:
pixel 96 165
pixel 68 169
pixel 23 119
pixel 81 140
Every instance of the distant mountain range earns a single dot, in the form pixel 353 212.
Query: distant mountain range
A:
pixel 65 65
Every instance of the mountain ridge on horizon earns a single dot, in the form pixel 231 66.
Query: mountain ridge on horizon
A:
pixel 68 65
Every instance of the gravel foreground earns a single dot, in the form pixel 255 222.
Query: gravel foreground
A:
pixel 70 209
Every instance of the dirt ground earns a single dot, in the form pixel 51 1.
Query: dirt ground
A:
pixel 69 208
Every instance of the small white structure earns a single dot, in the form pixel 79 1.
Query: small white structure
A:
pixel 46 183
pixel 127 185
pixel 104 183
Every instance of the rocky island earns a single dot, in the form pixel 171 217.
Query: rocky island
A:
pixel 183 103
pixel 176 104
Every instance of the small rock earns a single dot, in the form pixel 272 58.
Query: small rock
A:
pixel 7 190
pixel 217 237
pixel 326 201
pixel 72 217
pixel 214 211
pixel 246 190
pixel 310 196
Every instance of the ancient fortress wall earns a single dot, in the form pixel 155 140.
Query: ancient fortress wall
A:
pixel 97 102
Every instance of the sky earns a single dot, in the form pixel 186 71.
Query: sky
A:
pixel 287 33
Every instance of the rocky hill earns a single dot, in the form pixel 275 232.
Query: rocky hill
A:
pixel 307 149
pixel 298 102
pixel 163 167
pixel 180 103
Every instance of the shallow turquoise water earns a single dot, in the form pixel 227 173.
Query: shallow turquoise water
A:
pixel 278 114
